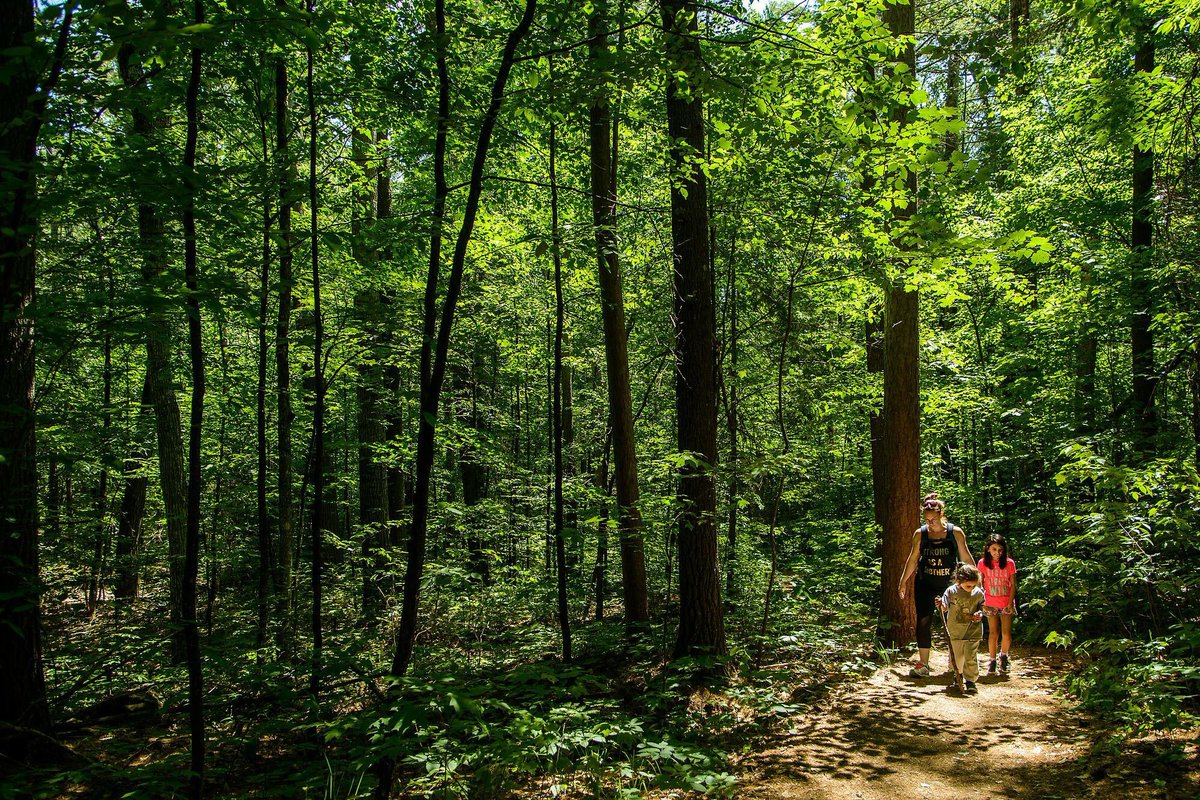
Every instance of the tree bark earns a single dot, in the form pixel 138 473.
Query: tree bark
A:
pixel 319 466
pixel 701 621
pixel 612 305
pixel 191 628
pixel 901 415
pixel 1145 377
pixel 285 168
pixel 23 687
pixel 159 367
pixel 433 357
pixel 560 552
pixel 372 431
pixel 266 562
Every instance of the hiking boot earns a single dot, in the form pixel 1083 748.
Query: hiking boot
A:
pixel 1004 665
pixel 971 689
pixel 919 671
pixel 992 667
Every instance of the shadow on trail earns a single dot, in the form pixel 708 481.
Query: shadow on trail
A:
pixel 895 733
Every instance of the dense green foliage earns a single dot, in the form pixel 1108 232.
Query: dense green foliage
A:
pixel 1019 246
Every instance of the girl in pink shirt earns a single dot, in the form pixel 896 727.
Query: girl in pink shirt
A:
pixel 999 582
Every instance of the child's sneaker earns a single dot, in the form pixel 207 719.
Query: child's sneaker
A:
pixel 992 667
pixel 971 688
pixel 919 671
pixel 1004 665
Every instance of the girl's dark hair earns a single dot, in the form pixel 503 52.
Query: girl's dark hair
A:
pixel 933 503
pixel 992 539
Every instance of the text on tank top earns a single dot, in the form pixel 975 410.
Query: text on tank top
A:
pixel 938 556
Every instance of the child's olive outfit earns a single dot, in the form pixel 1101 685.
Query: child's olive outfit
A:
pixel 965 631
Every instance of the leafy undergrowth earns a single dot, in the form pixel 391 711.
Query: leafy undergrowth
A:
pixel 503 720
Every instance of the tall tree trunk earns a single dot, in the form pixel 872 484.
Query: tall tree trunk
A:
pixel 371 428
pixel 701 621
pixel 560 551
pixel 1085 359
pixel 612 305
pixel 1018 17
pixel 433 357
pixel 1195 386
pixel 600 571
pixel 23 687
pixel 1141 272
pixel 196 347
pixel 433 361
pixel 159 369
pixel 285 169
pixel 731 430
pixel 100 542
pixel 901 416
pixel 318 515
pixel 132 513
pixel 473 471
pixel 265 561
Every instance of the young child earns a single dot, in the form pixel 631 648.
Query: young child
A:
pixel 963 604
pixel 1000 604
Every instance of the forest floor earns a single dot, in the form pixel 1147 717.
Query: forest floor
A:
pixel 893 737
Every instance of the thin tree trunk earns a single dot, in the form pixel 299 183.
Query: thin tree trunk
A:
pixel 284 166
pixel 612 305
pixel 196 347
pixel 731 428
pixel 560 553
pixel 1145 378
pixel 600 572
pixel 100 543
pixel 130 517
pixel 433 363
pixel 172 478
pixel 371 428
pixel 319 466
pixel 265 561
pixel 701 620
pixel 1085 363
pixel 1195 387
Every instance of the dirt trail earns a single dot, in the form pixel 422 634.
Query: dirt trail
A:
pixel 892 737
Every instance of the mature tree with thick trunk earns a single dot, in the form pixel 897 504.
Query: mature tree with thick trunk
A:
pixel 23 686
pixel 900 456
pixel 701 620
pixel 612 309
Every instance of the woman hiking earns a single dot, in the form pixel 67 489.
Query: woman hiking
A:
pixel 933 557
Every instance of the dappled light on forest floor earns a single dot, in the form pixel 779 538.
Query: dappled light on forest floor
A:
pixel 893 736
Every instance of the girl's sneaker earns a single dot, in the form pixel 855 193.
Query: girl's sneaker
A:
pixel 1004 665
pixel 919 671
pixel 992 667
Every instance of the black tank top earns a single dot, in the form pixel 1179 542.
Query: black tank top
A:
pixel 938 557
